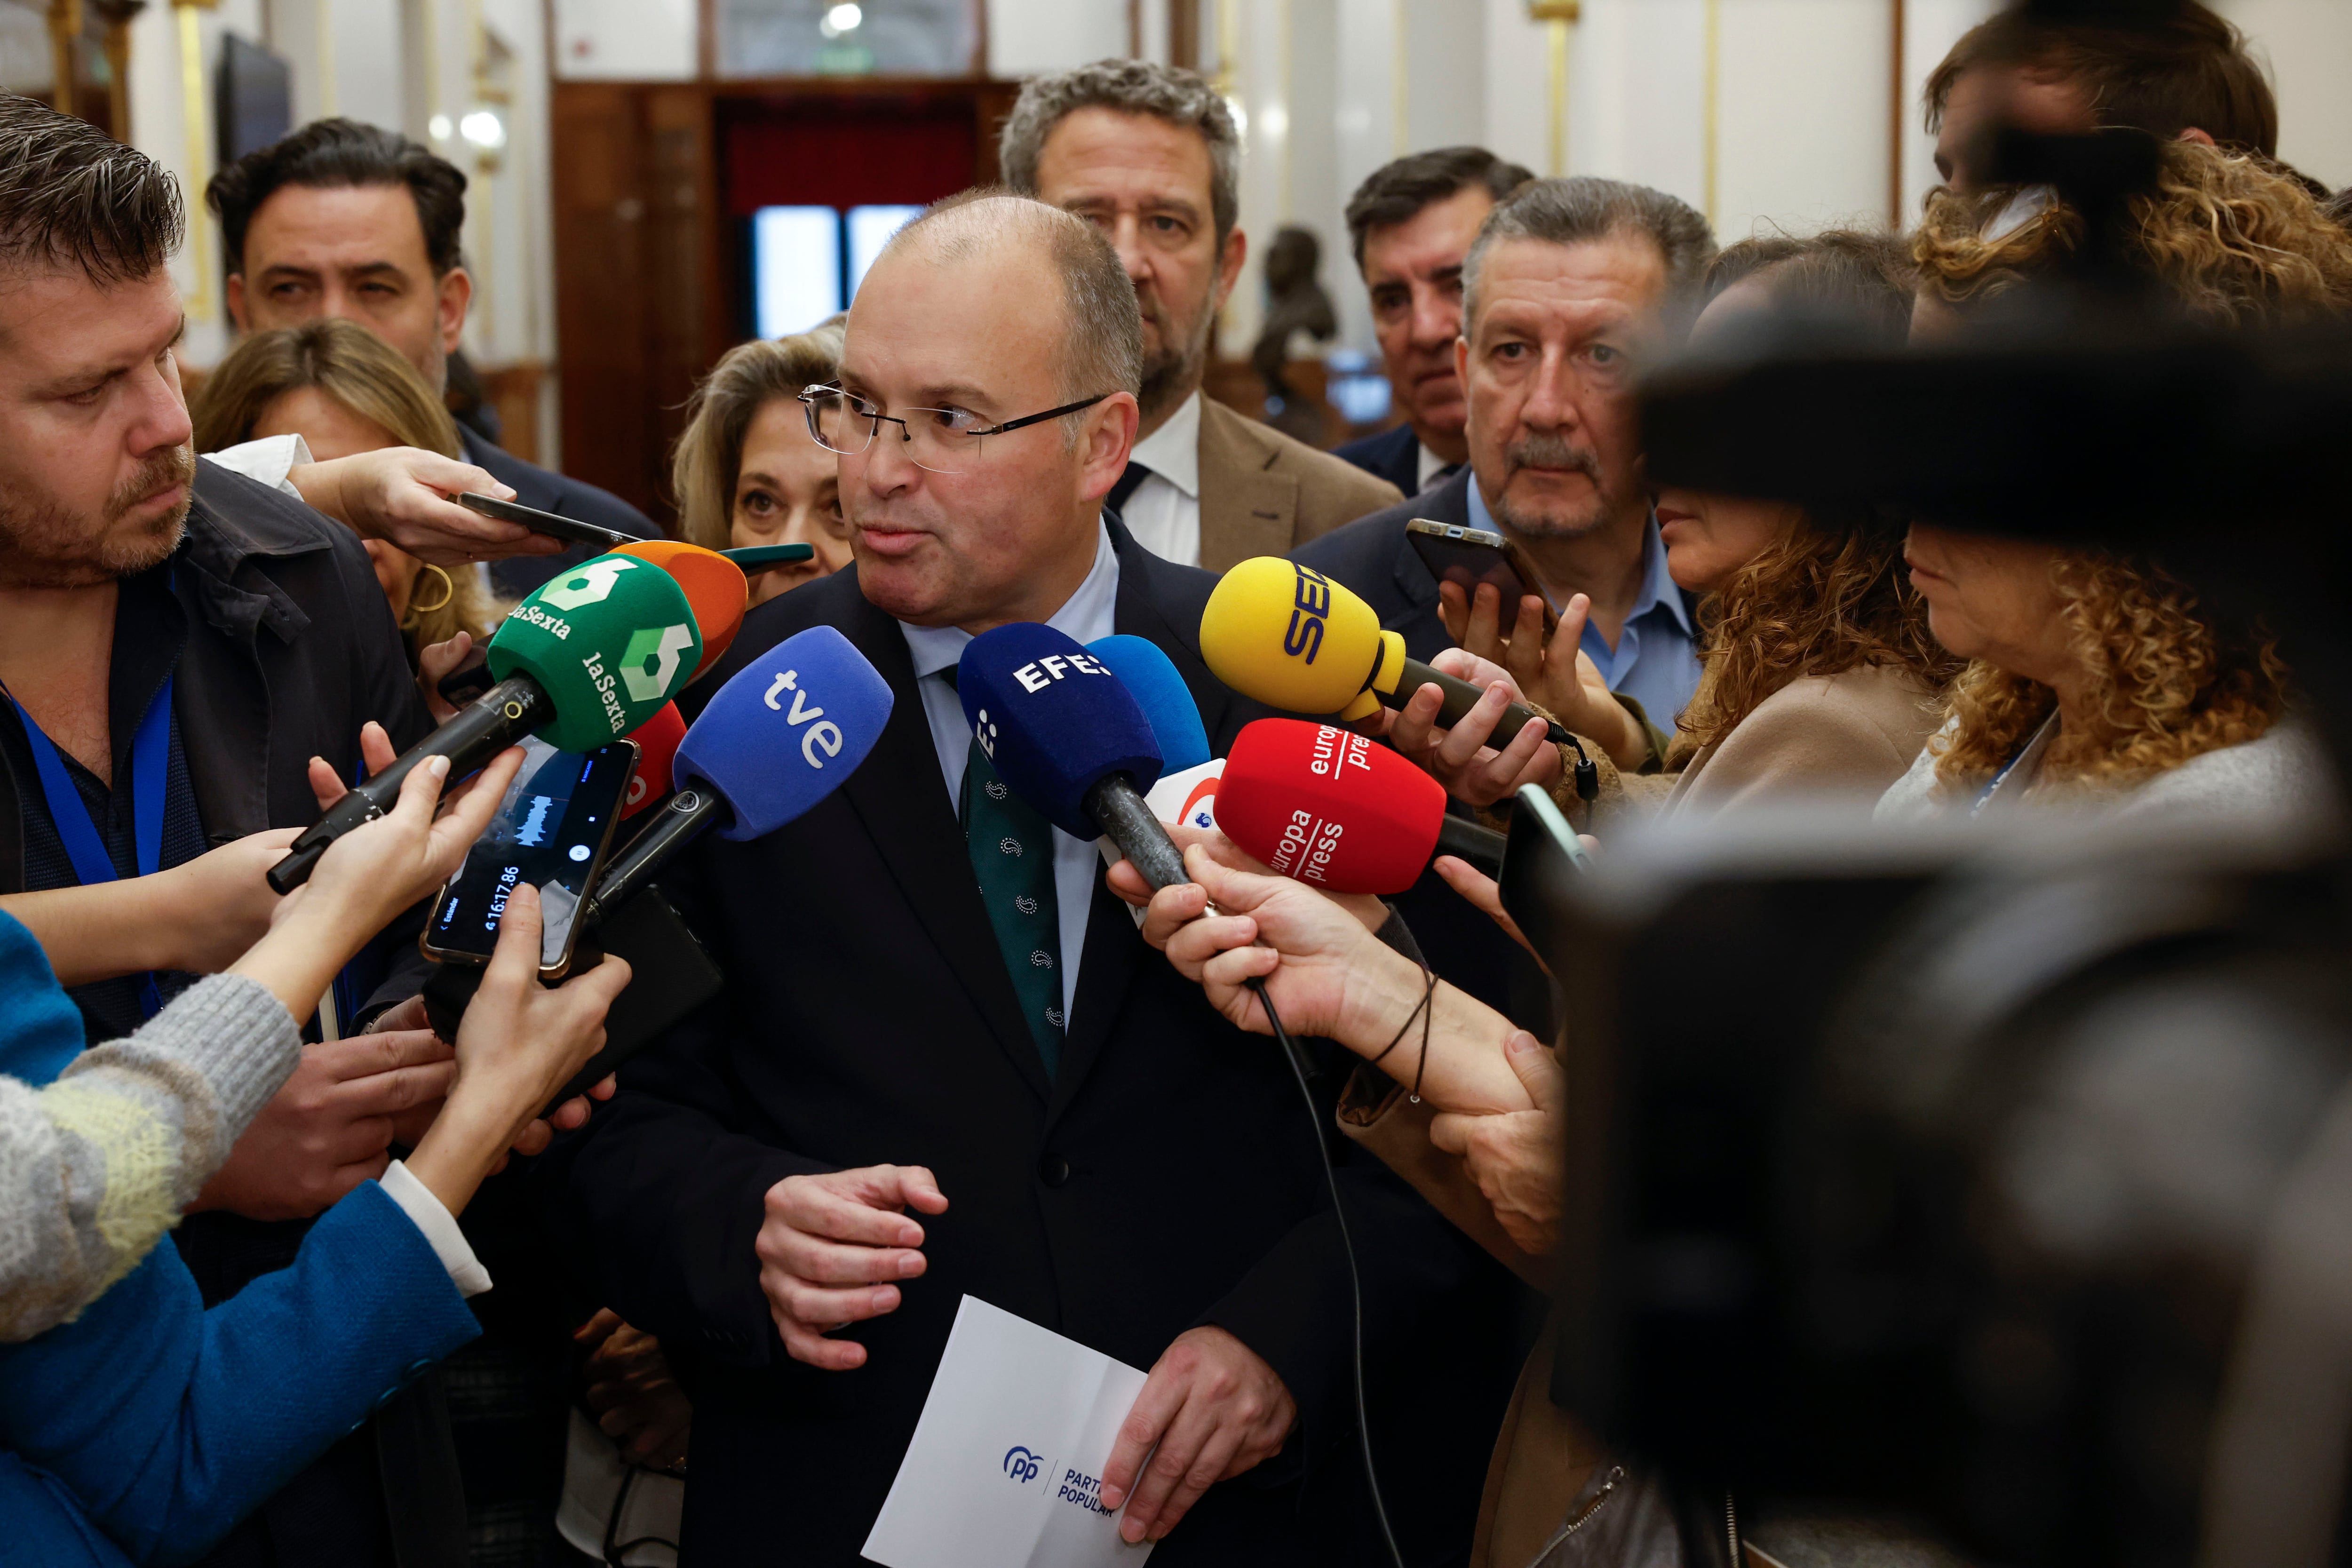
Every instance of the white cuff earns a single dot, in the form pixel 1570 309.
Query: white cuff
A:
pixel 448 1243
pixel 267 461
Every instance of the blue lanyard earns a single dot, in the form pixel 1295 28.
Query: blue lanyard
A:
pixel 151 750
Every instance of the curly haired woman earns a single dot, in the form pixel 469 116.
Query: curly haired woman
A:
pixel 2094 674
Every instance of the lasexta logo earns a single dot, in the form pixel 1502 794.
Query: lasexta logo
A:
pixel 592 585
pixel 1021 1464
pixel 649 663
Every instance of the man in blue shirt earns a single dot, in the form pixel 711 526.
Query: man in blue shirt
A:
pixel 1569 285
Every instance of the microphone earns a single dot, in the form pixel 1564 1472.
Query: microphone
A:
pixel 656 740
pixel 778 738
pixel 1293 638
pixel 1067 736
pixel 1325 805
pixel 715 585
pixel 1151 678
pixel 586 659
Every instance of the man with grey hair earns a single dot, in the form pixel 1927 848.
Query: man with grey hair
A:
pixel 1569 286
pixel 950 982
pixel 1149 155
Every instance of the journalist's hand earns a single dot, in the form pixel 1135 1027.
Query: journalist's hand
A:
pixel 400 494
pixel 519 1042
pixel 1211 1409
pixel 1127 884
pixel 410 1127
pixel 331 1126
pixel 220 903
pixel 832 1249
pixel 436 660
pixel 633 1395
pixel 1518 1158
pixel 1555 674
pixel 1327 974
pixel 1465 758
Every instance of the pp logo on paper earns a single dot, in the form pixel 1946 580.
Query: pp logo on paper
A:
pixel 1021 1464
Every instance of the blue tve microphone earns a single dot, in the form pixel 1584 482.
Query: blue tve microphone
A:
pixel 1067 737
pixel 1151 680
pixel 779 737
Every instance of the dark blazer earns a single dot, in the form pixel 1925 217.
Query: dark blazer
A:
pixel 543 489
pixel 1394 455
pixel 290 648
pixel 1166 1179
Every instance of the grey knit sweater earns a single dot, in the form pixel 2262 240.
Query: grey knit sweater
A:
pixel 97 1166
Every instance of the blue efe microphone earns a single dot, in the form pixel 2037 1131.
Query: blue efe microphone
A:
pixel 1151 678
pixel 779 737
pixel 1067 737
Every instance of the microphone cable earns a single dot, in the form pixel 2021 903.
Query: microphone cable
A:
pixel 1297 1060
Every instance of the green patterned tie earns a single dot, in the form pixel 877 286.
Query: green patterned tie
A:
pixel 1012 851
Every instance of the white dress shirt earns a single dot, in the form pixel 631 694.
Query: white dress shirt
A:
pixel 1088 614
pixel 1164 512
pixel 1427 463
pixel 438 1226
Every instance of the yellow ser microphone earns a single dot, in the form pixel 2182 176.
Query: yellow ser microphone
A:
pixel 1293 638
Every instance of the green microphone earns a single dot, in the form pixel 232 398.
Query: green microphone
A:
pixel 768 557
pixel 580 663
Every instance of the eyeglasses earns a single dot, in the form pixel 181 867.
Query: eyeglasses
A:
pixel 943 440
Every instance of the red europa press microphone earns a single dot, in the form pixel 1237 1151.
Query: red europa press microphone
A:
pixel 1327 807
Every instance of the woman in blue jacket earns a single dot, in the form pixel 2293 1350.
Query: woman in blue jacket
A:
pixel 143 1430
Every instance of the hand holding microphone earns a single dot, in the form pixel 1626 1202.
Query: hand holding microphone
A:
pixel 1295 639
pixel 583 661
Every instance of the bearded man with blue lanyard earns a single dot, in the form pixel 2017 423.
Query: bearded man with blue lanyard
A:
pixel 179 648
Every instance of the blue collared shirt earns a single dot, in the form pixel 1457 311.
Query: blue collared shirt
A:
pixel 1089 614
pixel 1656 661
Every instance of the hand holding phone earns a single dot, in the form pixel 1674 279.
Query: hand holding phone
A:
pixel 572 531
pixel 552 831
pixel 1469 557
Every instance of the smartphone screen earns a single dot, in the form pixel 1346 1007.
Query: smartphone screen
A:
pixel 1542 861
pixel 551 830
pixel 1470 556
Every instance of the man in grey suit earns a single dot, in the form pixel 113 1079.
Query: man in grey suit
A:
pixel 1149 155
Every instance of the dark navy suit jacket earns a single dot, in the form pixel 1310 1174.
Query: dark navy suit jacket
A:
pixel 1394 455
pixel 1166 1178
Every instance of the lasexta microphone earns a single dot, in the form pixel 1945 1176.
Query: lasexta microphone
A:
pixel 1327 807
pixel 583 660
pixel 657 741
pixel 780 735
pixel 1067 737
pixel 1295 639
pixel 1151 678
pixel 715 586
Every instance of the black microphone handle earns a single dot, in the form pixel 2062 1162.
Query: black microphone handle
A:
pixel 1118 807
pixel 1482 847
pixel 689 811
pixel 513 708
pixel 1460 698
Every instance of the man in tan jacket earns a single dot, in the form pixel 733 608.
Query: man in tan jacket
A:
pixel 1149 154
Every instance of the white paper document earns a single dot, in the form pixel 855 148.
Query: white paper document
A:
pixel 1006 1462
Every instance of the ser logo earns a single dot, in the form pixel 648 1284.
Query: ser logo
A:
pixel 1022 1465
pixel 824 736
pixel 1310 602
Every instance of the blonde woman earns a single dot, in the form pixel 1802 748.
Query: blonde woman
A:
pixel 2097 675
pixel 748 472
pixel 344 390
